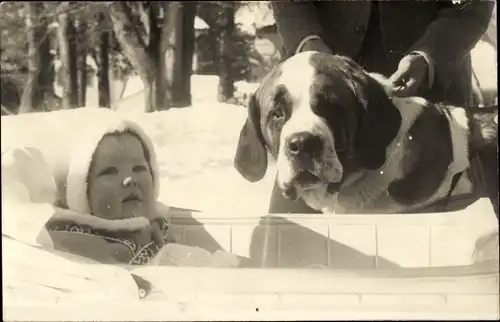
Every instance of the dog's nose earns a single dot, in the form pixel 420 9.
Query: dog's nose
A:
pixel 304 143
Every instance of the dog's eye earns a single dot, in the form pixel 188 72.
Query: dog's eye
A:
pixel 278 113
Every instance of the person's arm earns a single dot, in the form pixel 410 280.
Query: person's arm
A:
pixel 452 36
pixel 298 26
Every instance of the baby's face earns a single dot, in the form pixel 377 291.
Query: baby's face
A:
pixel 120 184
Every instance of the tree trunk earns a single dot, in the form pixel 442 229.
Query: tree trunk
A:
pixel 47 74
pixel 40 93
pixel 155 94
pixel 67 54
pixel 82 43
pixel 182 97
pixel 226 81
pixel 103 66
pixel 169 46
pixel 133 47
pixel 31 100
pixel 175 54
pixel 149 68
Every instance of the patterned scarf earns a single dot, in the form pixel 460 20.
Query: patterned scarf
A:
pixel 138 254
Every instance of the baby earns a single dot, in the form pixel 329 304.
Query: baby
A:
pixel 111 189
pixel 101 197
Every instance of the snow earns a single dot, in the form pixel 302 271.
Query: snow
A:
pixel 200 24
pixel 254 15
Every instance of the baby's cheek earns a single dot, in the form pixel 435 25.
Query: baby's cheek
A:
pixel 147 188
pixel 145 179
pixel 105 203
pixel 108 209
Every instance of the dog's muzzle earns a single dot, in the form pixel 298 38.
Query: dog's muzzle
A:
pixel 306 158
pixel 305 152
pixel 303 149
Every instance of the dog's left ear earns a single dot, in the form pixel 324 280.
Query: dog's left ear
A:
pixel 380 122
pixel 251 155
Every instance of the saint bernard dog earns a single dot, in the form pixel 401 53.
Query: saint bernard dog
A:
pixel 344 144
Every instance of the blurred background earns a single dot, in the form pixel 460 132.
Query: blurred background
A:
pixel 72 54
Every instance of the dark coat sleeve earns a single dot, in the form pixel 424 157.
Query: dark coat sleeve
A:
pixel 295 21
pixel 455 32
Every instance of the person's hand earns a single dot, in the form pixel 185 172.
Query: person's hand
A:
pixel 154 232
pixel 316 45
pixel 157 229
pixel 410 76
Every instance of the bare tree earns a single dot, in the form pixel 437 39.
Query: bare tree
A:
pixel 157 95
pixel 179 55
pixel 67 53
pixel 226 79
pixel 142 54
pixel 47 73
pixel 82 50
pixel 103 65
pixel 38 93
pixel 31 97
pixel 134 47
pixel 185 38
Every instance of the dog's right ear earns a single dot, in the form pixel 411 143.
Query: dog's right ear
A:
pixel 251 154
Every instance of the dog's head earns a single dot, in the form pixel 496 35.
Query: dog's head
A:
pixel 322 117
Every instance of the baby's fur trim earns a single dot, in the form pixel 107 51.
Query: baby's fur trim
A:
pixel 76 192
pixel 129 224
